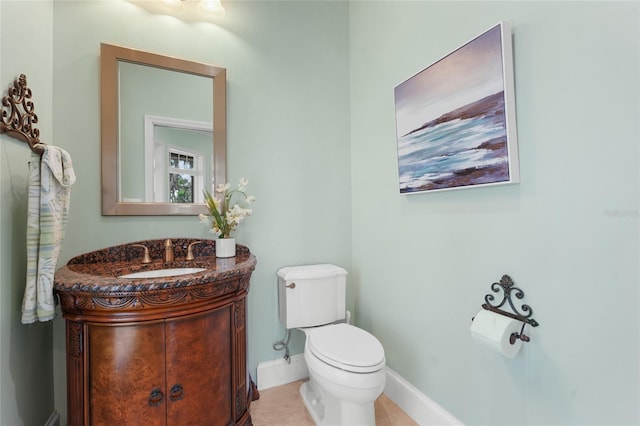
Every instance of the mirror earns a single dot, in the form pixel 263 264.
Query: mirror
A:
pixel 163 124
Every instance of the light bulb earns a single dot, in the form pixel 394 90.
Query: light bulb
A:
pixel 212 7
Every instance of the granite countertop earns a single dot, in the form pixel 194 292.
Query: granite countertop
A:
pixel 98 271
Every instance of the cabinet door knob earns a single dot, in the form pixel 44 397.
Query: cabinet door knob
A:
pixel 156 397
pixel 176 392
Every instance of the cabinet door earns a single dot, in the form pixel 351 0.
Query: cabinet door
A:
pixel 199 377
pixel 127 377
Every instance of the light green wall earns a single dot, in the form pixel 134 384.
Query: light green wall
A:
pixel 311 124
pixel 26 360
pixel 567 234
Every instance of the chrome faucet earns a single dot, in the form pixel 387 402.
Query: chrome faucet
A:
pixel 168 251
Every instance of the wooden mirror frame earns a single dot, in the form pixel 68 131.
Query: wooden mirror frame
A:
pixel 110 55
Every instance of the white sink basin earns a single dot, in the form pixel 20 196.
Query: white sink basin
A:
pixel 159 273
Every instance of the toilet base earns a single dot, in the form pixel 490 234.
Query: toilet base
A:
pixel 312 402
pixel 326 410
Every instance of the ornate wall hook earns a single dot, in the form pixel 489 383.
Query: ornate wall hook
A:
pixel 18 115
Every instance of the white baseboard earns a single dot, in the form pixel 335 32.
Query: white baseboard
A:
pixel 54 419
pixel 417 405
pixel 278 372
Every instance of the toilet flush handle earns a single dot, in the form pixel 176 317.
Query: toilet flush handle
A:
pixel 292 285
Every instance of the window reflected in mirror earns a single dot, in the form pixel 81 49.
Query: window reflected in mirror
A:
pixel 181 181
pixel 179 149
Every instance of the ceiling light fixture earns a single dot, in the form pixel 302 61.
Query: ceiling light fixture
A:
pixel 210 7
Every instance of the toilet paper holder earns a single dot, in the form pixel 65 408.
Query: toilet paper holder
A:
pixel 508 289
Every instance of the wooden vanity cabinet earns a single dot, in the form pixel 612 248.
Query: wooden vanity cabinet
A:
pixel 175 372
pixel 170 355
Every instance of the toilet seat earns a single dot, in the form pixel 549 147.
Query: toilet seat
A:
pixel 346 347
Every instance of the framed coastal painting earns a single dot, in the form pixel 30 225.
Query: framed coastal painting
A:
pixel 455 120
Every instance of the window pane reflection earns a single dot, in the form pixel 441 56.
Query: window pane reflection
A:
pixel 180 188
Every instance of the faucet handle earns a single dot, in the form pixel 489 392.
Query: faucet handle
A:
pixel 190 255
pixel 145 257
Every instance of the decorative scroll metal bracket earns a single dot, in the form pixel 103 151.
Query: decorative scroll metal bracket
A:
pixel 18 114
pixel 508 289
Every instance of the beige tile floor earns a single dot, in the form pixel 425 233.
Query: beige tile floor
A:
pixel 283 406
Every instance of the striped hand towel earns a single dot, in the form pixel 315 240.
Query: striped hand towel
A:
pixel 50 178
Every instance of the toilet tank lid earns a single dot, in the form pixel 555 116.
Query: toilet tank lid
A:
pixel 303 272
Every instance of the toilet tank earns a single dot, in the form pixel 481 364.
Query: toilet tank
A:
pixel 311 295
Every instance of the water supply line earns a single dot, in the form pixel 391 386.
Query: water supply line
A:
pixel 283 345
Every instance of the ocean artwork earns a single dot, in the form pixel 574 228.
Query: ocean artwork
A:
pixel 455 120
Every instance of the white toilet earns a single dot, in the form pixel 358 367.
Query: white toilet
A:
pixel 346 364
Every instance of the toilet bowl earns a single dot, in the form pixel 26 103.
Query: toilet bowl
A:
pixel 346 364
pixel 347 374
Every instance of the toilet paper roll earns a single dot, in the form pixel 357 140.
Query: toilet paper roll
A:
pixel 493 330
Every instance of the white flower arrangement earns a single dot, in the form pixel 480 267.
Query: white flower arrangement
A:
pixel 225 216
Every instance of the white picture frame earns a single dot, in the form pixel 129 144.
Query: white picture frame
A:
pixel 456 119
